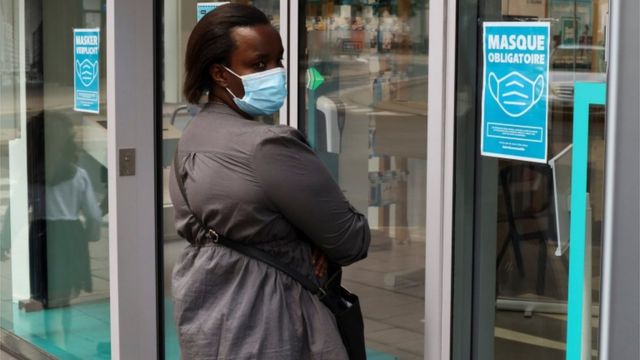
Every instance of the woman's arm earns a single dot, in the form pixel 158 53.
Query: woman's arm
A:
pixel 302 189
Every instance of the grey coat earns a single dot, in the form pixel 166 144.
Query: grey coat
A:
pixel 261 185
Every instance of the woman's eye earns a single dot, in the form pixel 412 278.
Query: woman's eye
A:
pixel 261 65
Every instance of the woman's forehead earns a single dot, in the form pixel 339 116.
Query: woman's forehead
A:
pixel 256 39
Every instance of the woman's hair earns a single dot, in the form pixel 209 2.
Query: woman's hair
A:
pixel 210 43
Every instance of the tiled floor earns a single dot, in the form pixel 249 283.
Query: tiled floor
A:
pixel 541 335
pixel 390 284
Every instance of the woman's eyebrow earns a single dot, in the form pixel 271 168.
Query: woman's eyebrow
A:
pixel 260 54
pixel 264 53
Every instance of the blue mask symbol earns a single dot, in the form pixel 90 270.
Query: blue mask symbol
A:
pixel 515 93
pixel 264 92
pixel 87 71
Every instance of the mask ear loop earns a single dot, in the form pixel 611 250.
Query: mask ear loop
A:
pixel 233 72
pixel 232 94
pixel 236 75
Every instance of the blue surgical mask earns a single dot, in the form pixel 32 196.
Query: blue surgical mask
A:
pixel 264 92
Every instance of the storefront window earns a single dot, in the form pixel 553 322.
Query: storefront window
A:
pixel 524 245
pixel 364 110
pixel 54 277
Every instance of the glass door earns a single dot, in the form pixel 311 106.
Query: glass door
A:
pixel 54 275
pixel 363 90
pixel 528 241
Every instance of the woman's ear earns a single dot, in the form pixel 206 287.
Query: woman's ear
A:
pixel 218 75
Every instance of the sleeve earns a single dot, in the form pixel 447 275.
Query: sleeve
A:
pixel 185 222
pixel 302 189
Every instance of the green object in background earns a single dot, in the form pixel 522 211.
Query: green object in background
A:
pixel 314 78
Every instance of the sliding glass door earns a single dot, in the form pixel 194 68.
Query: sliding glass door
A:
pixel 528 230
pixel 362 90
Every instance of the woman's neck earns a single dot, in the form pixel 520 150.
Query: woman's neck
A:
pixel 224 98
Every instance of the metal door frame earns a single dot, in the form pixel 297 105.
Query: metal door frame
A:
pixel 620 289
pixel 440 178
pixel 131 115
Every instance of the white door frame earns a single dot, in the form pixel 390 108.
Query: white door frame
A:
pixel 284 33
pixel 132 214
pixel 440 168
pixel 293 60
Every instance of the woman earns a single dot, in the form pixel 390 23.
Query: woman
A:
pixel 260 185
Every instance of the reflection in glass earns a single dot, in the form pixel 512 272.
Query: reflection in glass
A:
pixel 54 276
pixel 73 215
pixel 365 114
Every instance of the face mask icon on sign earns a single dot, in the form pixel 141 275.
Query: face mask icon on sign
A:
pixel 87 71
pixel 515 93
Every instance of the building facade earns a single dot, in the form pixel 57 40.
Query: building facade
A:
pixel 476 252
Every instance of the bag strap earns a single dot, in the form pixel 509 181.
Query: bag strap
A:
pixel 246 250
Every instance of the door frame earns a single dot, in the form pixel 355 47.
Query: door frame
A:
pixel 131 117
pixel 620 268
pixel 440 178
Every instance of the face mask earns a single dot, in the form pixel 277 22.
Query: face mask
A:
pixel 264 92
pixel 515 93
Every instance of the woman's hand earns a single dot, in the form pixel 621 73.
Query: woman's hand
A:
pixel 319 262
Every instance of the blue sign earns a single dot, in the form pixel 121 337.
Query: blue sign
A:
pixel 86 63
pixel 515 90
pixel 203 8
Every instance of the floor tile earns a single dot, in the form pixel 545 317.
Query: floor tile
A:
pixel 395 336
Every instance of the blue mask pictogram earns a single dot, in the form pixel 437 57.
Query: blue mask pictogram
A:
pixel 87 71
pixel 515 93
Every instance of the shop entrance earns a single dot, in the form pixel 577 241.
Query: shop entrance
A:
pixel 528 241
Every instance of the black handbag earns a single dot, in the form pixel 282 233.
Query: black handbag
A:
pixel 344 305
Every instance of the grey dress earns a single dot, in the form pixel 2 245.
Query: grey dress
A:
pixel 261 185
